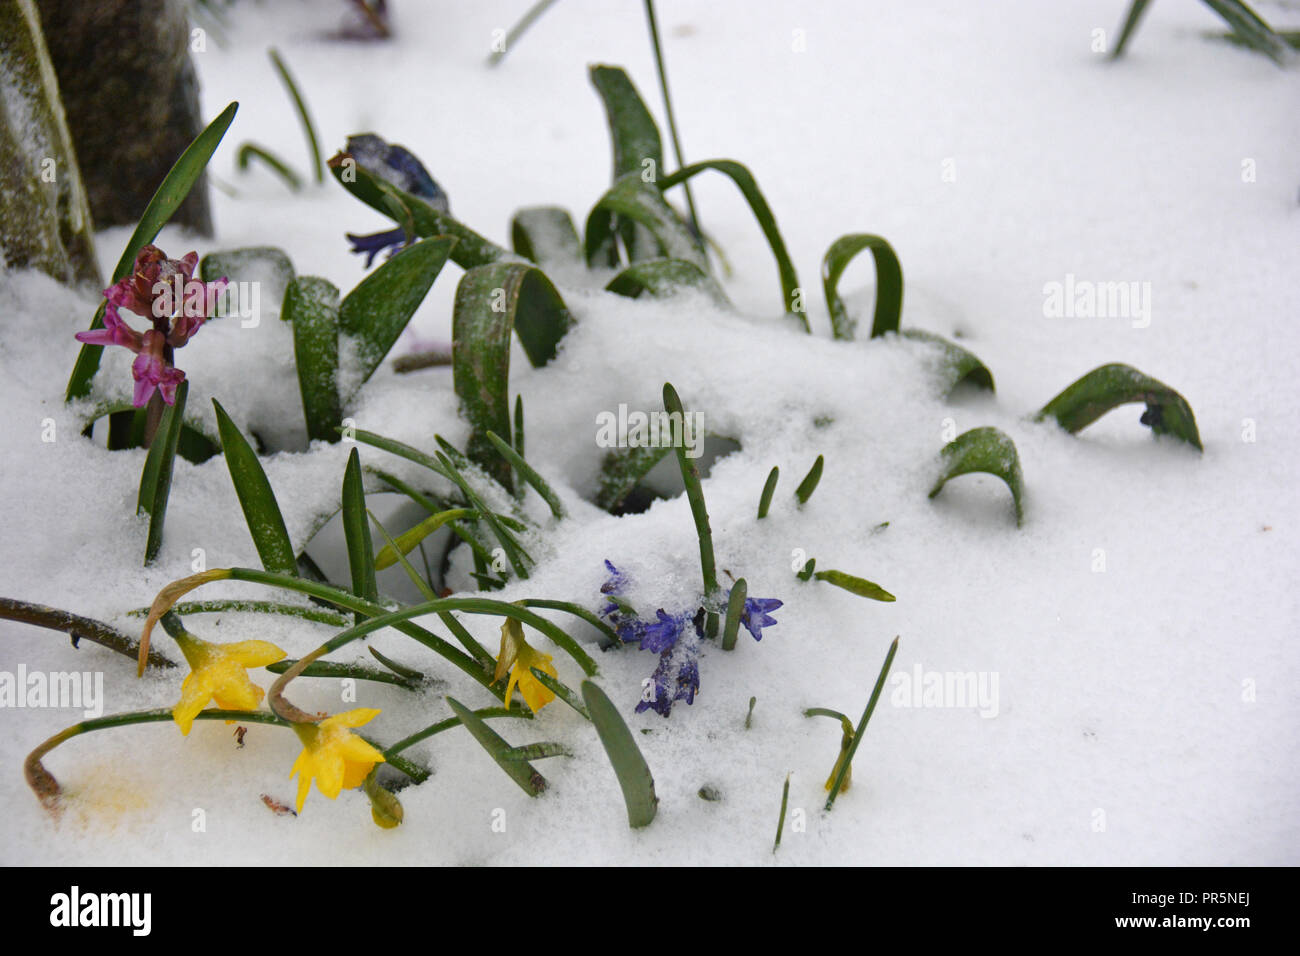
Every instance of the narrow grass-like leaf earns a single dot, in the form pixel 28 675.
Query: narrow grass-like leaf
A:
pixel 240 606
pixel 491 301
pixel 792 297
pixel 956 364
pixel 780 820
pixel 176 185
pixel 810 480
pixel 520 771
pixel 537 751
pixel 414 213
pixel 546 235
pixel 749 715
pixel 562 691
pixel 512 36
pixel 1131 19
pixel 838 783
pixel 854 584
pixel 156 477
pixel 528 474
pixel 664 278
pixel 735 608
pixel 379 308
pixel 662 71
pixel 390 546
pixel 261 512
pixel 695 495
pixel 636 144
pixel 401 670
pixel 984 450
pixel 634 776
pixel 611 638
pixel 769 489
pixel 1109 386
pixel 889 284
pixel 353 671
pixel 356 532
pixel 467 640
pixel 400 449
pixel 311 305
pixel 251 151
pixel 407 540
pixel 631 198
pixel 515 553
pixel 1253 31
pixel 484 713
pixel 308 127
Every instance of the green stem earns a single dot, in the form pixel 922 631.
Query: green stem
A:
pixel 577 611
pixel 668 111
pixel 451 722
pixel 528 19
pixel 695 494
pixel 251 607
pixel 847 760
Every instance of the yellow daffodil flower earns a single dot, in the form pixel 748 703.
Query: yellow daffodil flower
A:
pixel 219 672
pixel 332 755
pixel 517 657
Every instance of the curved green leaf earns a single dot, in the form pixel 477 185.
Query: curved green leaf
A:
pixel 413 213
pixel 663 278
pixel 356 532
pixel 407 540
pixel 311 305
pixel 792 297
pixel 630 198
pixel 889 284
pixel 636 144
pixel 634 776
pixel 308 127
pixel 267 266
pixel 176 185
pixel 492 300
pixel 379 308
pixel 261 512
pixel 523 773
pixel 250 151
pixel 1106 387
pixel 528 474
pixel 983 450
pixel 156 478
pixel 956 364
pixel 546 235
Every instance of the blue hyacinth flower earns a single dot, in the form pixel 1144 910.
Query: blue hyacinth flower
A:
pixel 755 616
pixel 400 167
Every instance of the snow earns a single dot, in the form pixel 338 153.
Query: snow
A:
pixel 1145 712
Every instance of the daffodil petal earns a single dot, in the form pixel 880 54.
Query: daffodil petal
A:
pixel 253 653
pixel 351 718
pixel 195 694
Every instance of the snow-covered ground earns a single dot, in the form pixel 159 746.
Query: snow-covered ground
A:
pixel 1140 627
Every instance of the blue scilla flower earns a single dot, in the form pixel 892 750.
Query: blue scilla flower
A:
pixel 755 616
pixel 676 678
pixel 400 167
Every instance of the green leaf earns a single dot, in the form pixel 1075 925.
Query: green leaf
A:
pixel 267 266
pixel 516 31
pixel 853 584
pixel 527 472
pixel 377 311
pixel 664 278
pixel 265 523
pixel 561 691
pixel 407 540
pixel 251 151
pixel 780 820
pixel 308 128
pixel 1135 11
pixel 769 489
pixel 633 774
pixel 810 481
pixel 546 235
pixel 846 763
pixel 611 637
pixel 414 213
pixel 491 301
pixel 311 305
pixel 176 185
pixel 808 567
pixel 333 669
pixel 735 608
pixel 984 450
pixel 1251 29
pixel 699 512
pixel 1109 386
pixel 792 297
pixel 156 478
pixel 636 144
pixel 537 751
pixel 400 670
pixel 623 469
pixel 520 771
pixel 889 284
pixel 956 365
pixel 356 532
pixel 630 198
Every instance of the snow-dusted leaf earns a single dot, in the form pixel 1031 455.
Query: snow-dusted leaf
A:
pixel 261 512
pixel 634 776
pixel 889 284
pixel 957 365
pixel 546 235
pixel 523 773
pixel 662 278
pixel 1106 387
pixel 636 145
pixel 983 450
pixel 311 306
pixel 631 198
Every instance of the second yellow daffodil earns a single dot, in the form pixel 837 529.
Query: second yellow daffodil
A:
pixel 332 755
pixel 517 658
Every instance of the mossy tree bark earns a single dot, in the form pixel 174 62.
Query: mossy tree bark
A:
pixel 45 218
